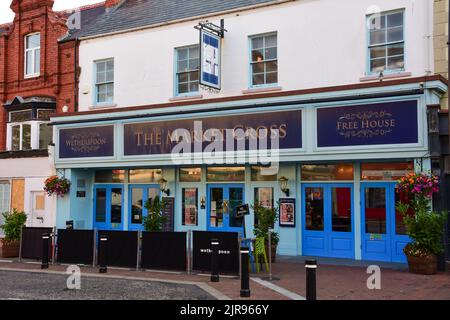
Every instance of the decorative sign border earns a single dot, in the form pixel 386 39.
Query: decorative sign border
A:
pixel 210 47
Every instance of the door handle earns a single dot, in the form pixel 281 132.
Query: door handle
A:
pixel 225 206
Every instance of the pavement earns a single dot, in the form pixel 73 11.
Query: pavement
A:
pixel 336 280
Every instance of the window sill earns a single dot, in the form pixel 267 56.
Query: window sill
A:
pixel 261 90
pixel 387 76
pixel 103 106
pixel 31 76
pixel 187 97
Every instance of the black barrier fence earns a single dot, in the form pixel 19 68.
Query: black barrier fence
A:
pixel 75 246
pixel 31 246
pixel 121 248
pixel 228 251
pixel 164 251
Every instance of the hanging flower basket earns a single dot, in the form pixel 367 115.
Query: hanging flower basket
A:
pixel 57 185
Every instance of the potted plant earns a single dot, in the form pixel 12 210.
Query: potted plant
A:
pixel 56 185
pixel 424 226
pixel 12 227
pixel 154 221
pixel 266 218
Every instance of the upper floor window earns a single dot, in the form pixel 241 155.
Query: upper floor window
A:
pixel 187 74
pixel 29 135
pixel 386 42
pixel 264 60
pixel 32 55
pixel 104 81
pixel 20 137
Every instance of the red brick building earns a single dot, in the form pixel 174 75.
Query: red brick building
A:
pixel 37 78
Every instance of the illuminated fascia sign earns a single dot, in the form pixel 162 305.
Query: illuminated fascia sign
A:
pixel 210 60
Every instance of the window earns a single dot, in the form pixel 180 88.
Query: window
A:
pixel 5 195
pixel 386 171
pixel 190 174
pixel 190 206
pixel 45 135
pixel 225 174
pixel 145 175
pixel 187 76
pixel 32 55
pixel 386 42
pixel 263 174
pixel 21 137
pixel 264 60
pixel 327 172
pixel 110 176
pixel 104 81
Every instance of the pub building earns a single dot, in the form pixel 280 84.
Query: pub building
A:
pixel 339 160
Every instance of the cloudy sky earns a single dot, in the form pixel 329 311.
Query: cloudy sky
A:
pixel 6 15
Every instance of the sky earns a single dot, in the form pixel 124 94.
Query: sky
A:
pixel 6 15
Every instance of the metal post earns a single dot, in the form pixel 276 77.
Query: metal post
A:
pixel 103 254
pixel 189 258
pixel 214 260
pixel 94 253
pixel 20 244
pixel 53 245
pixel 270 254
pixel 45 245
pixel 138 259
pixel 311 266
pixel 245 277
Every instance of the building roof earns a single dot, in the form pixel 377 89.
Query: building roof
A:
pixel 132 14
pixel 88 16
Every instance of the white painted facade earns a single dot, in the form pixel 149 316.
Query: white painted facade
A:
pixel 320 43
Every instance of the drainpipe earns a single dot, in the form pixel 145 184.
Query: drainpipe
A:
pixel 75 74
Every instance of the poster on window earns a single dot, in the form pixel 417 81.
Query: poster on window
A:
pixel 210 51
pixel 265 197
pixel 287 212
pixel 190 207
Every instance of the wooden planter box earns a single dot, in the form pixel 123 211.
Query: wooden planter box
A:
pixel 422 265
pixel 10 249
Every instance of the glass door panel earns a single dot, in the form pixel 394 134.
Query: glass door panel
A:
pixel 100 205
pixel 341 209
pixel 137 205
pixel 217 207
pixel 236 196
pixel 375 210
pixel 116 206
pixel 314 209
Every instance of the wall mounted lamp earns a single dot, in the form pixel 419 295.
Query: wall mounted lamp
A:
pixel 283 181
pixel 163 186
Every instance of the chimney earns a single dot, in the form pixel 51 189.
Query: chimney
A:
pixel 111 4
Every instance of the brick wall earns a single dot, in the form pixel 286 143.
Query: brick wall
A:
pixel 440 38
pixel 57 60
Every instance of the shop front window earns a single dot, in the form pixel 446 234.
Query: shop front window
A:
pixel 190 174
pixel 226 174
pixel 327 172
pixel 190 206
pixel 145 175
pixel 109 176
pixel 385 171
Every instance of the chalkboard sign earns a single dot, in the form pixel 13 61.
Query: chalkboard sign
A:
pixel 168 212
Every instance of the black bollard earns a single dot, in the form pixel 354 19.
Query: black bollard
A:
pixel 45 245
pixel 214 260
pixel 245 277
pixel 311 266
pixel 103 254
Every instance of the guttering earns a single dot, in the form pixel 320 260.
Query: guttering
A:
pixel 204 16
pixel 250 106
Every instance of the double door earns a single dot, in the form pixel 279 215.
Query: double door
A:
pixel 327 212
pixel 221 207
pixel 108 207
pixel 139 194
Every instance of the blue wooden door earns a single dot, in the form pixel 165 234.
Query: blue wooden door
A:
pixel 108 207
pixel 383 237
pixel 138 196
pixel 328 229
pixel 221 207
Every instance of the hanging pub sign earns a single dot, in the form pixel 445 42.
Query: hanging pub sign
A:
pixel 242 211
pixel 210 53
pixel 384 123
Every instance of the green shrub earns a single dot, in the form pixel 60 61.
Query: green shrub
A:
pixel 266 218
pixel 154 221
pixel 14 221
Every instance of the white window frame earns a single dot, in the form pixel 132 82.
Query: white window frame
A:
pixel 33 50
pixel 176 83
pixel 386 44
pixel 97 84
pixel 250 60
pixel 35 126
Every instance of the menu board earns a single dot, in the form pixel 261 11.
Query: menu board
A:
pixel 168 212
